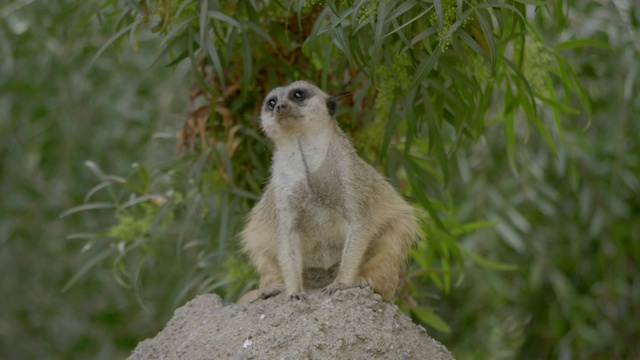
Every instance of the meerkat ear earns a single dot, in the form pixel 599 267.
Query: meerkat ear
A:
pixel 331 106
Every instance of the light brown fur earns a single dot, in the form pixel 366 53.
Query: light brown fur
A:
pixel 327 219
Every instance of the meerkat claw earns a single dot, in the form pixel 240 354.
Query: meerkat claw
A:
pixel 298 296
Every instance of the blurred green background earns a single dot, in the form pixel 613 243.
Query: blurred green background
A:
pixel 570 223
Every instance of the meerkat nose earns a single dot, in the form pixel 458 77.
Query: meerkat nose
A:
pixel 282 109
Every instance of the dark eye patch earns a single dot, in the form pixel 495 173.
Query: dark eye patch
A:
pixel 271 103
pixel 298 95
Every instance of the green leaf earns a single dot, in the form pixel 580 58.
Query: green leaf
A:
pixel 137 200
pixel 509 131
pixel 88 266
pixel 488 36
pixel 426 66
pixel 110 41
pixel 427 316
pixel 487 263
pixel 86 207
pixel 579 43
pixel 247 69
pixel 260 32
pixel 144 177
pixel 224 18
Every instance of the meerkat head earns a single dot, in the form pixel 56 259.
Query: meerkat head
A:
pixel 297 108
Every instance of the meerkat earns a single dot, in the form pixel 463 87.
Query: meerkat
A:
pixel 327 219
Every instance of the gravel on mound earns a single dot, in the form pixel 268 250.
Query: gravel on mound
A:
pixel 353 324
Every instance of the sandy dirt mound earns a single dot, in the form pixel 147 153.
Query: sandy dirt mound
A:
pixel 354 324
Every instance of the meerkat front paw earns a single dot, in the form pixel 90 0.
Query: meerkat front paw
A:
pixel 335 286
pixel 298 296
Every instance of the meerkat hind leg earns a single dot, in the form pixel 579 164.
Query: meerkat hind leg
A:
pixel 383 273
pixel 386 261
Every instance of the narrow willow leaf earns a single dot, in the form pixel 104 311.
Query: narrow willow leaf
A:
pixel 511 237
pixel 247 62
pixel 95 189
pixel 85 207
pixel 182 6
pixel 426 66
pixel 136 7
pixel 430 318
pixel 104 254
pixel 210 48
pixel 401 35
pixel 470 227
pixel 179 40
pixel 95 169
pixel 510 140
pixel 484 262
pixel 523 81
pixel 403 8
pixel 579 43
pixel 224 18
pixel 138 200
pixel 497 5
pixel 537 122
pixel 196 169
pixel 419 192
pixel 437 4
pixel 110 41
pixel 576 85
pixel 509 129
pixel 260 32
pixel 245 194
pixel 136 282
pixel 202 21
pixel 83 236
pixel 487 31
pixel 534 2
pixel 473 44
pixel 379 32
pixel 557 106
pixel 118 267
pixel 194 65
pixel 226 160
pixel 144 178
pixel 176 29
pixel 342 43
pixel 441 153
pixel 424 34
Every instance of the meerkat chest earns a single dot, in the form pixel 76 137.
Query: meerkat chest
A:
pixel 302 163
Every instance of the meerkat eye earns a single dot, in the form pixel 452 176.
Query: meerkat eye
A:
pixel 271 104
pixel 298 95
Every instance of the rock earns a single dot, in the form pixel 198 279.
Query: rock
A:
pixel 356 324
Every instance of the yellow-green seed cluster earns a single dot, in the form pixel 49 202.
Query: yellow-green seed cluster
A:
pixel 449 17
pixel 537 61
pixel 309 3
pixel 371 7
pixel 392 80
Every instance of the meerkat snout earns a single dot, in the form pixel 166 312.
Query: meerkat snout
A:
pixel 282 109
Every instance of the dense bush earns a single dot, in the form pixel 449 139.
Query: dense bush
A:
pixel 570 222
